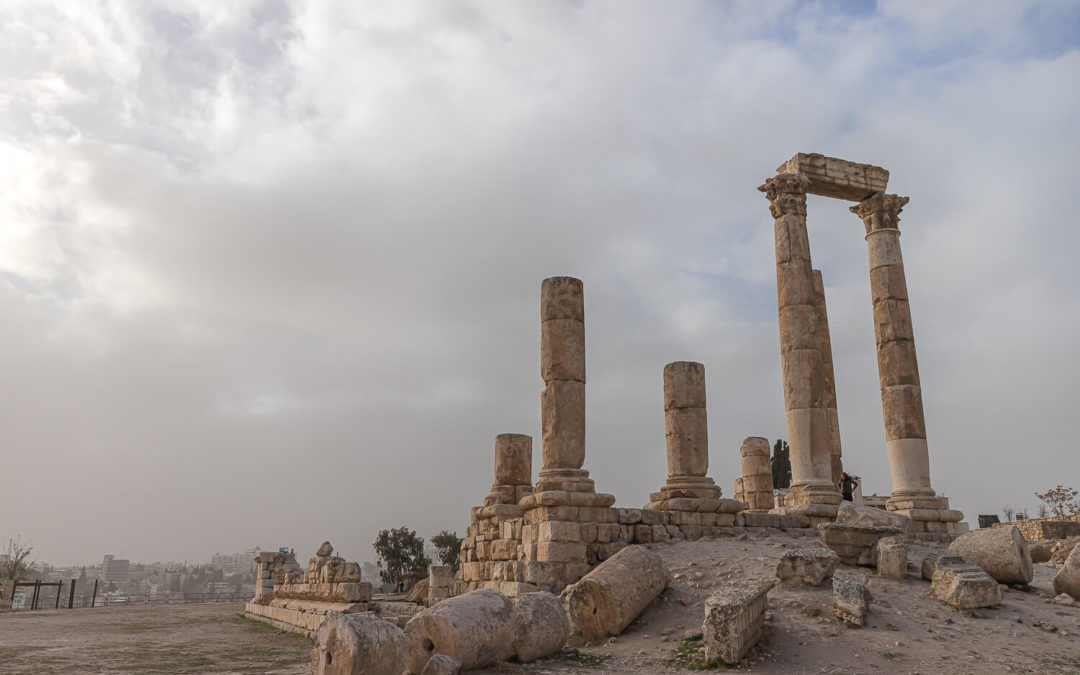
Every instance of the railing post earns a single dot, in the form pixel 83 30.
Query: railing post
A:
pixel 93 600
pixel 71 595
pixel 59 590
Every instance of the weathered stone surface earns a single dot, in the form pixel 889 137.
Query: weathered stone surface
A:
pixel 734 617
pixel 325 550
pixel 541 626
pixel 929 566
pixel 832 177
pixel 441 664
pixel 851 599
pixel 513 459
pixel 850 514
pixel 684 385
pixel 1062 549
pixel 892 557
pixel 1000 551
pixel 1067 580
pixel 562 298
pixel 476 628
pixel 607 599
pixel 687 433
pixel 419 591
pixel 358 644
pixel 851 541
pixel 1040 550
pixel 562 407
pixel 964 585
pixel 807 566
pixel 562 350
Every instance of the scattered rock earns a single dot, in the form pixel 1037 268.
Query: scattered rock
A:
pixel 854 542
pixel 734 617
pixel 1000 551
pixel 964 585
pixel 807 566
pixel 1064 599
pixel 851 599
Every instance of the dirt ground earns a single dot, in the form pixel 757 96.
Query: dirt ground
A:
pixel 907 631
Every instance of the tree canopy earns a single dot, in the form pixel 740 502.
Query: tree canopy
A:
pixel 400 550
pixel 448 548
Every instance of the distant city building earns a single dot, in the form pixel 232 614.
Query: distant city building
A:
pixel 114 569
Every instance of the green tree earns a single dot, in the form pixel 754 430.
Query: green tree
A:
pixel 400 550
pixel 15 563
pixel 448 547
pixel 781 465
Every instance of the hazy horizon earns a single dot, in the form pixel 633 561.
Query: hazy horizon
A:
pixel 270 270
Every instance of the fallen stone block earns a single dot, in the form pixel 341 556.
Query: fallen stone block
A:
pixel 1041 551
pixel 850 514
pixel 541 626
pixel 734 618
pixel 1000 551
pixel 851 599
pixel 964 585
pixel 892 557
pixel 476 628
pixel 441 664
pixel 419 592
pixel 1063 548
pixel 1067 580
pixel 358 644
pixel 855 544
pixel 929 566
pixel 807 566
pixel 607 599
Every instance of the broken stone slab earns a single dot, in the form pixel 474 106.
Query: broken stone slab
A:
pixel 734 618
pixel 964 585
pixel 1067 580
pixel 358 644
pixel 807 566
pixel 607 599
pixel 476 628
pixel 441 664
pixel 540 625
pixel 851 599
pixel 1000 551
pixel 850 514
pixel 892 557
pixel 852 542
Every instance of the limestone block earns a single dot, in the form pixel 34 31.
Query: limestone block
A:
pixel 892 320
pixel 892 557
pixel 792 242
pixel 964 585
pixel 734 618
pixel 897 363
pixel 755 446
pixel 888 282
pixel 795 283
pixel 476 629
pixel 562 298
pixel 903 412
pixel 850 514
pixel 559 530
pixel 441 664
pixel 757 465
pixel 807 566
pixel 799 326
pixel 1000 551
pixel 684 385
pixel 851 599
pixel 560 551
pixel 562 350
pixel 563 420
pixel 358 644
pixel 350 572
pixel 884 249
pixel 513 460
pixel 853 541
pixel 758 483
pixel 687 433
pixel 804 380
pixel 839 178
pixel 325 549
pixel 1067 580
pixel 608 598
pixel 541 626
pixel 629 516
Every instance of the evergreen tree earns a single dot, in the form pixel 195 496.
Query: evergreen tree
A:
pixel 781 465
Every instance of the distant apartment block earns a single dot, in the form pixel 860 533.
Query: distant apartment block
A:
pixel 114 569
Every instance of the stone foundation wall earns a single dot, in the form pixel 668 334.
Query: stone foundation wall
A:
pixel 1038 529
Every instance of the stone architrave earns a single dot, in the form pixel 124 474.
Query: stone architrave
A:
pixel 812 490
pixel 833 420
pixel 898 368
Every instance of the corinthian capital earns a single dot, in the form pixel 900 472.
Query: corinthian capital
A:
pixel 880 211
pixel 786 193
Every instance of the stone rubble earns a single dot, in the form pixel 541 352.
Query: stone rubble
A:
pixel 851 599
pixel 810 566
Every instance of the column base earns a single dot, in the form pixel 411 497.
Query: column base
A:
pixel 507 494
pixel 564 480
pixel 691 487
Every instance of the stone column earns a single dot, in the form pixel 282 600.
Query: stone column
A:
pixel 812 491
pixel 562 405
pixel 825 340
pixel 898 369
pixel 757 482
pixel 686 430
pixel 513 469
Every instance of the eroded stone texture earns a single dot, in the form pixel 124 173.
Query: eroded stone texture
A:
pixel 757 483
pixel 850 514
pixel 892 557
pixel 541 626
pixel 807 566
pixel 825 344
pixel 441 664
pixel 854 544
pixel 851 599
pixel 476 629
pixel 607 599
pixel 358 644
pixel 1000 551
pixel 1067 580
pixel 734 618
pixel 964 585
pixel 839 178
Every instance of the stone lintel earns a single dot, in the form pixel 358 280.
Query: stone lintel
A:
pixel 832 177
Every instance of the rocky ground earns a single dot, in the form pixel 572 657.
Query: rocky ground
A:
pixel 906 632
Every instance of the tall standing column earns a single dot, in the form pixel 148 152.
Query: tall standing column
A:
pixel 825 340
pixel 562 405
pixel 898 369
pixel 686 430
pixel 812 491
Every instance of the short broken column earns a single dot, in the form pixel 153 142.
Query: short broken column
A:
pixel 607 599
pixel 757 480
pixel 477 629
pixel 358 643
pixel 734 619
pixel 513 469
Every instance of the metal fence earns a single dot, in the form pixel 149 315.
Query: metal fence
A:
pixel 41 595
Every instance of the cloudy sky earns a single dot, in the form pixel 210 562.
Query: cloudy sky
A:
pixel 269 273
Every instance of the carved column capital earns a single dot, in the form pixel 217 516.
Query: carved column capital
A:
pixel 786 193
pixel 880 211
